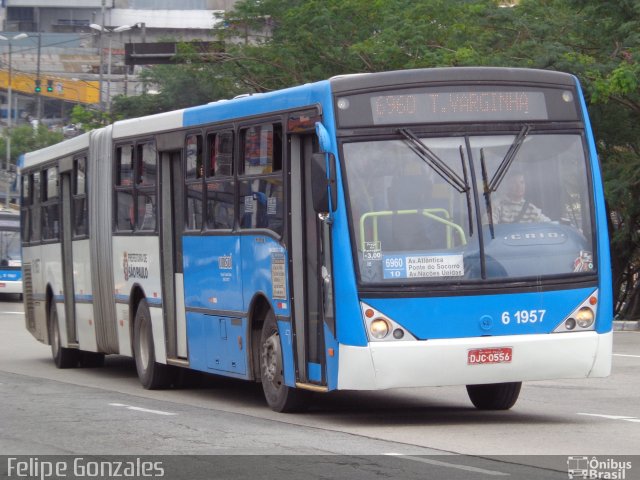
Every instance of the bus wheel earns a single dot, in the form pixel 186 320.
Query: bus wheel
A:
pixel 279 396
pixel 152 375
pixel 63 357
pixel 494 396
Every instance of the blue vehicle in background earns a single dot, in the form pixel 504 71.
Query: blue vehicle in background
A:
pixel 10 253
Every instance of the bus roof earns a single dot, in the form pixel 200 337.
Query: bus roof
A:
pixel 346 83
pixel 68 147
pixel 159 122
pixel 224 110
pixel 258 104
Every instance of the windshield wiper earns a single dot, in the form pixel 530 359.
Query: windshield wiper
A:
pixel 441 168
pixel 435 162
pixel 487 192
pixel 468 191
pixel 501 171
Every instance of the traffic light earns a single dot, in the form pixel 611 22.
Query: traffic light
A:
pixel 37 89
pixel 49 86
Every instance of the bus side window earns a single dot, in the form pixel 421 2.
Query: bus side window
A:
pixel 50 214
pixel 124 212
pixel 146 166
pixel 194 177
pixel 262 149
pixel 193 221
pixel 220 154
pixel 194 167
pixel 25 210
pixel 220 205
pixel 261 188
pixel 34 234
pixel 220 212
pixel 124 166
pixel 80 210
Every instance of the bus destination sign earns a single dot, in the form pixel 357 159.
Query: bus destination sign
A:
pixel 458 106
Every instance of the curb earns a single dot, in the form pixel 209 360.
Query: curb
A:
pixel 626 325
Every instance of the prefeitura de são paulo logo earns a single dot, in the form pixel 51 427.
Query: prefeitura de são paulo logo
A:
pixel 598 468
pixel 135 265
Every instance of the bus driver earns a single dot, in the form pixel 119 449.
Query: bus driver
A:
pixel 514 208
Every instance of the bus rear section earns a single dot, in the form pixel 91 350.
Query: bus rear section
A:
pixel 478 233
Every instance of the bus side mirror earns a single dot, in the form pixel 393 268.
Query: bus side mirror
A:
pixel 323 187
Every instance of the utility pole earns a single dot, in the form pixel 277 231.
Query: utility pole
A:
pixel 100 78
pixel 38 97
pixel 9 114
pixel 110 32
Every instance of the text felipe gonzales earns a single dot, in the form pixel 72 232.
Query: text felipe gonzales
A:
pixel 79 467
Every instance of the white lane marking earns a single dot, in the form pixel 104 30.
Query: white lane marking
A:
pixel 438 463
pixel 140 409
pixel 622 355
pixel 610 417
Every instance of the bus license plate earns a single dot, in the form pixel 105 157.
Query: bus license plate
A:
pixel 482 356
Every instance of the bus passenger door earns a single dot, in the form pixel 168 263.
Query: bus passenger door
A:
pixel 311 266
pixel 66 202
pixel 171 220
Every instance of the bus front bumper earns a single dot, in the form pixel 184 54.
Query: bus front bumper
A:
pixel 383 365
pixel 10 287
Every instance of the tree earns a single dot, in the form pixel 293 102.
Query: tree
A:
pixel 272 44
pixel 194 80
pixel 597 40
pixel 27 139
pixel 317 39
pixel 88 118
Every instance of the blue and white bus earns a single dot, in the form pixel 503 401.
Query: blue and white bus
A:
pixel 10 253
pixel 400 229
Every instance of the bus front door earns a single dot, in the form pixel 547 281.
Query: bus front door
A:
pixel 66 206
pixel 171 246
pixel 311 269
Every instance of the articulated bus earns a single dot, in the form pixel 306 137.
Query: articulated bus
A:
pixel 412 228
pixel 10 253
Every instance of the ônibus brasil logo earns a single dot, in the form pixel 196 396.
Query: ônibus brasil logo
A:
pixel 584 467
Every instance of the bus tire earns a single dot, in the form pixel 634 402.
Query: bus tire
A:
pixel 62 357
pixel 152 375
pixel 494 396
pixel 279 396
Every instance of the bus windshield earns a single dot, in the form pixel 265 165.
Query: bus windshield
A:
pixel 10 255
pixel 505 207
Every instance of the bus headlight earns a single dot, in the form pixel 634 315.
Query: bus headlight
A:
pixel 570 324
pixel 582 318
pixel 585 317
pixel 379 328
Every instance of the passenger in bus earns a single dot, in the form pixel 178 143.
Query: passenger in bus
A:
pixel 514 207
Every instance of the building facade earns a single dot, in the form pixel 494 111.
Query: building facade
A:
pixel 74 41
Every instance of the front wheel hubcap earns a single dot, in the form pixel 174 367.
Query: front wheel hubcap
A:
pixel 272 360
